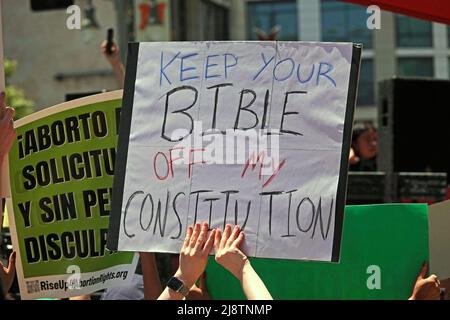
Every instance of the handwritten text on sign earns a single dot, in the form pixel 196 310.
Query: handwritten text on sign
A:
pixel 236 132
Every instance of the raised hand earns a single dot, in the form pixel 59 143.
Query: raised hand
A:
pixel 228 253
pixel 425 288
pixel 194 253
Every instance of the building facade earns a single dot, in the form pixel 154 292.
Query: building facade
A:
pixel 54 61
pixel 403 46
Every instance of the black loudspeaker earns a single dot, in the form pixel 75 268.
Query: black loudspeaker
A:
pixel 371 187
pixel 41 5
pixel 414 125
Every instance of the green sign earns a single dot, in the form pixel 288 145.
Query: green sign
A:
pixel 383 247
pixel 61 174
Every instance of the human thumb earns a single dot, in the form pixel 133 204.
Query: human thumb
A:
pixel 423 271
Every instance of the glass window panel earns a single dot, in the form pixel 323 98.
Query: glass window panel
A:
pixel 345 22
pixel 366 84
pixel 415 67
pixel 267 14
pixel 411 32
pixel 448 36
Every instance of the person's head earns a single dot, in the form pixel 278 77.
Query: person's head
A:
pixel 364 141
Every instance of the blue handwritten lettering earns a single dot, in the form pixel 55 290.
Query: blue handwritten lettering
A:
pixel 325 73
pixel 207 66
pixel 309 77
pixel 290 72
pixel 266 63
pixel 226 65
pixel 183 70
pixel 161 68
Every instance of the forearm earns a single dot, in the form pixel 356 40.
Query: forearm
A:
pixel 252 285
pixel 169 294
pixel 119 73
pixel 83 297
pixel 152 283
pixel 3 169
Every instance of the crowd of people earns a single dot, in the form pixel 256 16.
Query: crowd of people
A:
pixel 188 280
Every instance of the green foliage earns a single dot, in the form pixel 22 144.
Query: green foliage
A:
pixel 15 97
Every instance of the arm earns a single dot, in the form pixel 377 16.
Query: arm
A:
pixel 8 273
pixel 252 285
pixel 7 133
pixel 199 292
pixel 152 284
pixel 193 259
pixel 229 255
pixel 114 61
pixel 82 297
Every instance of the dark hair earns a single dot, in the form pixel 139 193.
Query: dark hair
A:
pixel 359 128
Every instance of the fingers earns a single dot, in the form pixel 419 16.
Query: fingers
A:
pixel 188 237
pixel 195 235
pixel 431 285
pixel 210 242
pixel 198 239
pixel 217 239
pixel 233 236
pixel 202 237
pixel 104 45
pixel 7 114
pixel 423 271
pixel 433 279
pixel 114 48
pixel 226 235
pixel 238 242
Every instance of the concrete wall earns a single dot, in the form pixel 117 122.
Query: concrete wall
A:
pixel 44 47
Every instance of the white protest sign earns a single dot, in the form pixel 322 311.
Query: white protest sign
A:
pixel 248 133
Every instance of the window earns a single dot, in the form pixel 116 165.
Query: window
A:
pixel 178 19
pixel 267 14
pixel 344 22
pixel 411 32
pixel 448 36
pixel 215 21
pixel 366 86
pixel 415 67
